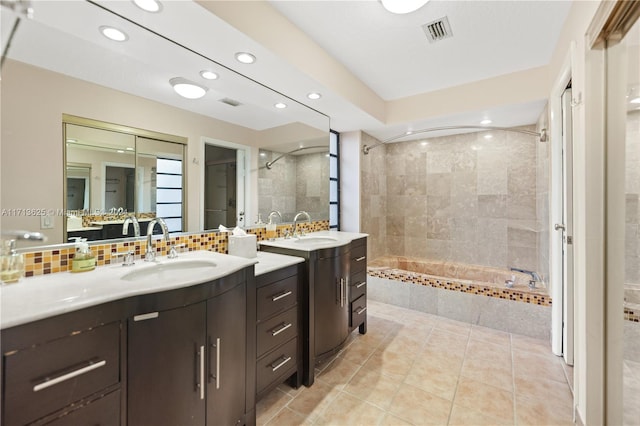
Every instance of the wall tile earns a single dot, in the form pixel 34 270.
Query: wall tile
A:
pixel 494 206
pixel 492 181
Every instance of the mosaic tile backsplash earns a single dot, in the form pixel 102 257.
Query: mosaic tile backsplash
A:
pixel 59 260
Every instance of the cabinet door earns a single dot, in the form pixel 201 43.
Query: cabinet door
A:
pixel 331 303
pixel 226 330
pixel 166 367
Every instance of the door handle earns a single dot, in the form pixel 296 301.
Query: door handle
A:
pixel 559 226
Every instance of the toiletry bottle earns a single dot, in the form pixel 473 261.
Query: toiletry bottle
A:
pixel 11 262
pixel 83 260
pixel 271 230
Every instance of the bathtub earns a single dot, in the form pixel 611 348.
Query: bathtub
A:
pixel 467 293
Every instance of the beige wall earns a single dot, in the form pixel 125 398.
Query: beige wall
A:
pixel 33 101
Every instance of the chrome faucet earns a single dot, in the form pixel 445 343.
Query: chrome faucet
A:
pixel 534 276
pixel 274 212
pixel 136 225
pixel 150 255
pixel 295 223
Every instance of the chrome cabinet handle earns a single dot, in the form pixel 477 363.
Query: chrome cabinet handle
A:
pixel 144 317
pixel 218 363
pixel 363 283
pixel 201 384
pixel 280 296
pixel 360 259
pixel 51 382
pixel 281 329
pixel 341 292
pixel 283 362
pixel 361 310
pixel 346 289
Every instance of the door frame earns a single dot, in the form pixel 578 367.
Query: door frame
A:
pixel 245 189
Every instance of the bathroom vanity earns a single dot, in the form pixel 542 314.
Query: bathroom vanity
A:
pixel 121 346
pixel 334 290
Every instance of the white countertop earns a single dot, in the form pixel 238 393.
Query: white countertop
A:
pixel 85 228
pixel 44 296
pixel 118 221
pixel 268 262
pixel 309 243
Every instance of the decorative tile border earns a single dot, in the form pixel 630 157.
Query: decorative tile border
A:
pixel 631 314
pixel 473 288
pixel 59 260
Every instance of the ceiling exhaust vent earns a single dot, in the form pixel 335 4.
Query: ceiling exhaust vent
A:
pixel 438 30
pixel 231 102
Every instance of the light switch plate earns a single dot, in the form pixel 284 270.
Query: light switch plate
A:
pixel 46 222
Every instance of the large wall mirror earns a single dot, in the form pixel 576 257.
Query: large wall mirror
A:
pixel 59 65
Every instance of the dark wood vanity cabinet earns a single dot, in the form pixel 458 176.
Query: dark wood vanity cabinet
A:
pixel 278 329
pixel 358 285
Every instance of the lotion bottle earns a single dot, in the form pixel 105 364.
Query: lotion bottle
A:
pixel 83 260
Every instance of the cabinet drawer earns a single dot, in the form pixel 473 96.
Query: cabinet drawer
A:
pixel 276 297
pixel 357 285
pixel 277 330
pixel 358 258
pixel 274 365
pixel 358 311
pixel 104 411
pixel 48 377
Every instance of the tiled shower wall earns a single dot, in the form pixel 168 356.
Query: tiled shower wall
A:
pixel 294 183
pixel 543 168
pixel 467 198
pixel 632 194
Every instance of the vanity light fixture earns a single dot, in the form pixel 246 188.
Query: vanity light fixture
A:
pixel 245 58
pixel 208 75
pixel 486 121
pixel 152 6
pixel 280 105
pixel 403 6
pixel 187 89
pixel 113 33
pixel 314 95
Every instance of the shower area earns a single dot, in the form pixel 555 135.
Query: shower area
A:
pixel 466 218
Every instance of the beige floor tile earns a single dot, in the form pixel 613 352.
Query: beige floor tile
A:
pixel 527 364
pixel 403 345
pixel 531 345
pixel 465 416
pixel 283 387
pixel 419 407
pixel 491 373
pixel 389 363
pixel 338 372
pixel 450 363
pixel 433 379
pixel 453 326
pixel 371 386
pixel 447 342
pixel 312 401
pixel 349 410
pixel 489 400
pixel 542 412
pixel 358 352
pixel 391 420
pixel 539 389
pixel 495 354
pixel 414 331
pixel 490 335
pixel 287 417
pixel 268 406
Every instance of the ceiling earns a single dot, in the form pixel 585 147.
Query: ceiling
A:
pixel 386 56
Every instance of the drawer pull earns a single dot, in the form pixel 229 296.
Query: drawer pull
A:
pixel 281 296
pixel 360 259
pixel 143 317
pixel 361 310
pixel 363 283
pixel 51 382
pixel 281 329
pixel 283 362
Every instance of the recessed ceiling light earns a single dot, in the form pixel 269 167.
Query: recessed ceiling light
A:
pixel 403 6
pixel 475 147
pixel 113 33
pixel 263 154
pixel 280 105
pixel 187 89
pixel 488 136
pixel 148 5
pixel 209 75
pixel 424 143
pixel 129 148
pixel 408 132
pixel 486 121
pixel 245 58
pixel 314 95
pixel 119 151
pixel 635 100
pixel 71 140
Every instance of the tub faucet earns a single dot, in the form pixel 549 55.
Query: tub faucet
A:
pixel 295 223
pixel 150 255
pixel 534 276
pixel 136 225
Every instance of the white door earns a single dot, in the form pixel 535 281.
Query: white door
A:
pixel 567 228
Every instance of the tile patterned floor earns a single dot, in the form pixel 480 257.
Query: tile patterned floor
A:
pixel 413 368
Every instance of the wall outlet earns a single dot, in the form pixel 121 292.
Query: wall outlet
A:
pixel 46 222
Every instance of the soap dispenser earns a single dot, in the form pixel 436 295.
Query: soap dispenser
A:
pixel 11 262
pixel 83 260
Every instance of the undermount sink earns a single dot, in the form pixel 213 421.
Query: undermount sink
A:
pixel 171 270
pixel 316 239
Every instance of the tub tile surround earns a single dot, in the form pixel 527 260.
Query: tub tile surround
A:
pixel 46 261
pixel 414 368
